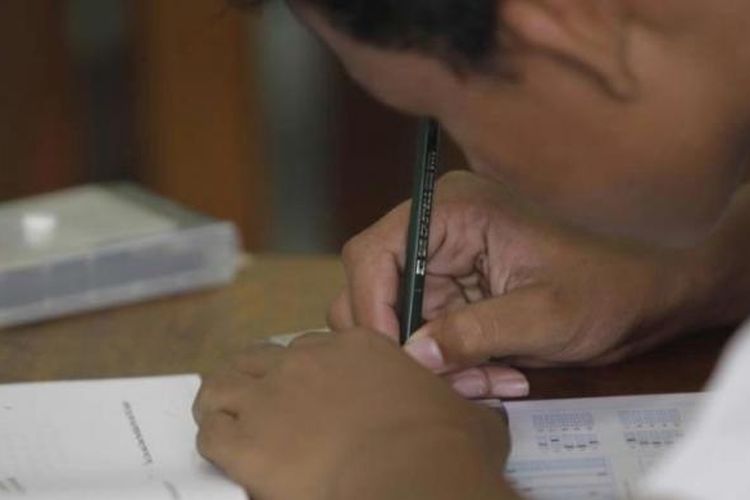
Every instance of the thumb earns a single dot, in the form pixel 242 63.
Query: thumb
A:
pixel 525 322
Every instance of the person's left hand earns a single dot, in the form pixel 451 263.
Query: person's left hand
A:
pixel 347 416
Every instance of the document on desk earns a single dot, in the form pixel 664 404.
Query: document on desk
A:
pixel 129 439
pixel 592 448
pixel 134 439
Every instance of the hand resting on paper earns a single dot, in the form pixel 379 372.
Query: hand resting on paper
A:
pixel 342 416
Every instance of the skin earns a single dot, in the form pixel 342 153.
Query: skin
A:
pixel 641 140
pixel 662 121
pixel 258 423
pixel 518 285
pixel 607 212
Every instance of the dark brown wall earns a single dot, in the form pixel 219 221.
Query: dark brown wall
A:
pixel 374 149
pixel 39 127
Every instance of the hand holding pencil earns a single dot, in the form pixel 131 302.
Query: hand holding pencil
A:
pixel 503 282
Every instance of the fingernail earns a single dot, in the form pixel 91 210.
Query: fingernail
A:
pixel 426 352
pixel 470 385
pixel 512 387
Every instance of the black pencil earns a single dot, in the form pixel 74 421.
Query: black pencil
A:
pixel 418 237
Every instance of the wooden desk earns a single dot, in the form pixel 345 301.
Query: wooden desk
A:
pixel 184 334
pixel 278 295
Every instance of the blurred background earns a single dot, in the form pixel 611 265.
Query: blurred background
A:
pixel 239 115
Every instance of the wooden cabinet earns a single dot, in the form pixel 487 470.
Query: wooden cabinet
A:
pixel 190 112
pixel 197 115
pixel 196 128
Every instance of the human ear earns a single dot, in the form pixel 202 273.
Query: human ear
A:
pixel 592 35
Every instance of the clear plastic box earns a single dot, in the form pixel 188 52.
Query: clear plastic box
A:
pixel 103 245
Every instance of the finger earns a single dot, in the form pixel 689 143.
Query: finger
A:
pixel 528 322
pixel 373 282
pixel 219 438
pixel 372 262
pixel 226 391
pixel 490 381
pixel 340 315
pixel 445 294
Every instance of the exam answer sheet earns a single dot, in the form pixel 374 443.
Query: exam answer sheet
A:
pixel 128 439
pixel 592 448
pixel 134 439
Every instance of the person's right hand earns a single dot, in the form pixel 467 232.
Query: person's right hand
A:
pixel 505 282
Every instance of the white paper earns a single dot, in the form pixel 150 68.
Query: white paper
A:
pixel 125 439
pixel 592 448
pixel 135 439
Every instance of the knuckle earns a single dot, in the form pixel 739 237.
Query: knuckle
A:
pixel 353 249
pixel 206 442
pixel 218 390
pixel 377 238
pixel 464 335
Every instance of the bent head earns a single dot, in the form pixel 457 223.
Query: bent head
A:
pixel 624 116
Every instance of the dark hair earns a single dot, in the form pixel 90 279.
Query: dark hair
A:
pixel 460 31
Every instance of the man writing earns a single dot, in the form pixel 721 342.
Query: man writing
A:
pixel 607 212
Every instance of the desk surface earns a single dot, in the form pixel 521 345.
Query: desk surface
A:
pixel 275 295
